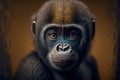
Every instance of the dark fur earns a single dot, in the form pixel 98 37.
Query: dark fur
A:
pixel 36 66
pixel 33 68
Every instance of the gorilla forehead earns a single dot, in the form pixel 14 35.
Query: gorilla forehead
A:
pixel 63 11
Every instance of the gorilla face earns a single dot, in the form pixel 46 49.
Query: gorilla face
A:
pixel 64 44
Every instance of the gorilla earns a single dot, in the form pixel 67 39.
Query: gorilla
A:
pixel 63 31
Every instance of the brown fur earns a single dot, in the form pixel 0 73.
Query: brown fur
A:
pixel 63 11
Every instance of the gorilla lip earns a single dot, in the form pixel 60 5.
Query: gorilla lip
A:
pixel 63 61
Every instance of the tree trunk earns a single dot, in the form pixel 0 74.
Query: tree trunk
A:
pixel 5 73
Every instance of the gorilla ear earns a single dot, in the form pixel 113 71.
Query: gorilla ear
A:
pixel 33 27
pixel 93 26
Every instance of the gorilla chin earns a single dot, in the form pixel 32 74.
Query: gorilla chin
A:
pixel 63 57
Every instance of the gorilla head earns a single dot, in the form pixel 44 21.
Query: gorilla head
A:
pixel 63 30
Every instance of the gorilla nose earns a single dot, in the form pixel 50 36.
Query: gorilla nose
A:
pixel 63 48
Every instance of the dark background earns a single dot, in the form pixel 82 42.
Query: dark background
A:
pixel 21 42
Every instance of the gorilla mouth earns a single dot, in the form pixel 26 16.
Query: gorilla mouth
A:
pixel 63 61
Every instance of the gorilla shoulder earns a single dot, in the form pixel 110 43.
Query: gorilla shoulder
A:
pixel 31 65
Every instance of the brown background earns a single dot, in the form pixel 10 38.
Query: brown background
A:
pixel 21 42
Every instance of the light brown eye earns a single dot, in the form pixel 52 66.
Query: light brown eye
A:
pixel 73 36
pixel 53 36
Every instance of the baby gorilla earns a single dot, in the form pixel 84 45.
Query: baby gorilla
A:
pixel 63 31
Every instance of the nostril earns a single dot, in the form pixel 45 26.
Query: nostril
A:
pixel 59 47
pixel 66 48
pixel 63 48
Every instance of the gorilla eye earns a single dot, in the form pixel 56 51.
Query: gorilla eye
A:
pixel 73 36
pixel 53 36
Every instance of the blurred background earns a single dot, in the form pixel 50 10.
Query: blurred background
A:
pixel 21 41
